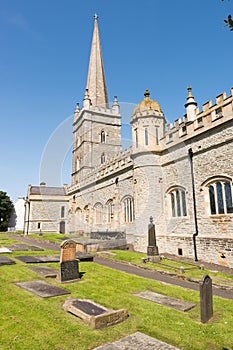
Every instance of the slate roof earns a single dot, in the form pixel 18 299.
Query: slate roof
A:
pixel 49 191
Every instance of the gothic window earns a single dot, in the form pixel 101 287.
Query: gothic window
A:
pixel 178 202
pixel 146 137
pixel 98 209
pixel 62 211
pixel 102 159
pixel 110 210
pixel 87 215
pixel 128 209
pixel 220 197
pixel 103 137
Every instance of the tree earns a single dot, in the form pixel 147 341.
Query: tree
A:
pixel 6 207
pixel 229 22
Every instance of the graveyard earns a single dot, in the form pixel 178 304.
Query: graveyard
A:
pixel 47 303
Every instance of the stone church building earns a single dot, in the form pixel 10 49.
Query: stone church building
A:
pixel 180 174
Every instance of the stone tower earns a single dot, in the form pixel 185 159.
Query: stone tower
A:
pixel 97 129
pixel 147 131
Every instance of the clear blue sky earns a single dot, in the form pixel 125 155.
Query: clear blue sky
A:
pixel 162 45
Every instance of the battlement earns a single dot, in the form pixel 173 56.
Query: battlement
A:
pixel 117 163
pixel 209 117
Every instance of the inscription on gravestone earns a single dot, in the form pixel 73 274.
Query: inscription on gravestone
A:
pixel 206 299
pixel 68 269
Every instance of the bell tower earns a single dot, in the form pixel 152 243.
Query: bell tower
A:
pixel 97 128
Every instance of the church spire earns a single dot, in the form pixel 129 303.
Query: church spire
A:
pixel 96 83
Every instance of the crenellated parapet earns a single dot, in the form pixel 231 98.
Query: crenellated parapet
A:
pixel 118 163
pixel 211 116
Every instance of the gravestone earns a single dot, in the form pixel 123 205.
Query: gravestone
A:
pixel 33 259
pixel 206 299
pixel 42 289
pixel 68 268
pixel 44 271
pixel 95 315
pixel 137 341
pixel 177 304
pixel 6 261
pixel 152 248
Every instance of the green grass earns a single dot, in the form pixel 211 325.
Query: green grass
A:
pixel 29 322
pixel 170 266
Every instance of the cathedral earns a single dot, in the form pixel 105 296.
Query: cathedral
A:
pixel 180 174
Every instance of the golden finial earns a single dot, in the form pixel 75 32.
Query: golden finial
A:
pixel 147 93
pixel 190 91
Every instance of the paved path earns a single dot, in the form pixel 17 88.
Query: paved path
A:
pixel 130 269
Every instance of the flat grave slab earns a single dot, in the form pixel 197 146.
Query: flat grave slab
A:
pixel 42 289
pixel 33 259
pixel 24 247
pixel 44 271
pixel 137 341
pixel 6 261
pixel 95 315
pixel 84 256
pixel 5 250
pixel 167 301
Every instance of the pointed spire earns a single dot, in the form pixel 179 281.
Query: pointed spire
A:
pixel 190 105
pixel 96 83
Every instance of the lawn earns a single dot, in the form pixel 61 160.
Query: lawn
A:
pixel 30 322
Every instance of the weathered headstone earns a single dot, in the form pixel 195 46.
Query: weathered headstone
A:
pixel 42 289
pixel 166 301
pixel 206 299
pixel 95 315
pixel 68 268
pixel 152 248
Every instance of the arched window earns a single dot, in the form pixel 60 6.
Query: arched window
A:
pixel 146 137
pixel 220 197
pixel 103 136
pixel 110 213
pixel 98 209
pixel 102 158
pixel 87 215
pixel 128 208
pixel 178 202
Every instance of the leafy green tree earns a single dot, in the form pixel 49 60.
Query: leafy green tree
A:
pixel 6 207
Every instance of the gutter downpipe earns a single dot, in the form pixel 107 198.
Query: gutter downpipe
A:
pixel 190 152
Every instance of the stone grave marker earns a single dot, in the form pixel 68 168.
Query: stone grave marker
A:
pixel 137 341
pixel 33 259
pixel 167 301
pixel 68 267
pixel 44 271
pixel 206 299
pixel 95 315
pixel 24 247
pixel 6 261
pixel 5 250
pixel 42 289
pixel 152 248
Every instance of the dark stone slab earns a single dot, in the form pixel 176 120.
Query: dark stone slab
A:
pixel 206 299
pixel 95 315
pixel 88 307
pixel 44 271
pixel 68 271
pixel 42 289
pixel 84 257
pixel 6 261
pixel 33 259
pixel 137 341
pixel 28 259
pixel 24 247
pixel 167 301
